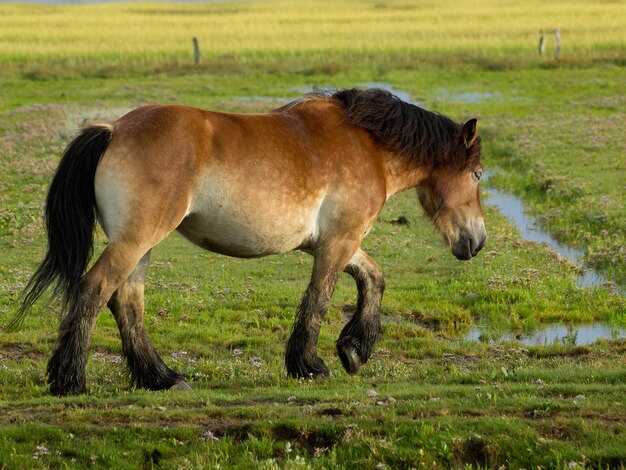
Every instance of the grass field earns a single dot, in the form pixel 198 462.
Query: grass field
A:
pixel 98 38
pixel 553 130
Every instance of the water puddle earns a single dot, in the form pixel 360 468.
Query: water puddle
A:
pixel 468 97
pixel 571 335
pixel 512 208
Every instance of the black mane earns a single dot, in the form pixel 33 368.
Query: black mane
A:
pixel 429 138
pixel 404 128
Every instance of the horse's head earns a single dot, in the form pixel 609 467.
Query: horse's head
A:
pixel 450 195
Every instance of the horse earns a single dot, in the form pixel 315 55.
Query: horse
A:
pixel 312 175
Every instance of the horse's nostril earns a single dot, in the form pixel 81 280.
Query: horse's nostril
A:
pixel 480 246
pixel 462 249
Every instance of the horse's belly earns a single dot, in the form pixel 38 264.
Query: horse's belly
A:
pixel 248 235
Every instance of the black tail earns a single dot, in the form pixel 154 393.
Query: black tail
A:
pixel 70 219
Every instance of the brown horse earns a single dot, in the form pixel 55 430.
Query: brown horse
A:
pixel 311 176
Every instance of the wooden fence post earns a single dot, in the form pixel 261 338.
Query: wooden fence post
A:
pixel 196 51
pixel 557 35
pixel 542 41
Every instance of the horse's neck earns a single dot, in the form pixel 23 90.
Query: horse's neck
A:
pixel 402 174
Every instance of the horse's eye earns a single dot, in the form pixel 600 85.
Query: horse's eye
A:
pixel 477 174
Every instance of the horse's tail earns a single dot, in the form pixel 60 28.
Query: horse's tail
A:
pixel 70 219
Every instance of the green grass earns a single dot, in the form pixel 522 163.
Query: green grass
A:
pixel 552 130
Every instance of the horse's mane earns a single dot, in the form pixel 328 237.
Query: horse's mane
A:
pixel 404 128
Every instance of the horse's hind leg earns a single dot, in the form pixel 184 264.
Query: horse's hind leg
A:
pixel 66 368
pixel 147 369
pixel 359 335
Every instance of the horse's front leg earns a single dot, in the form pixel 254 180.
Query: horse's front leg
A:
pixel 301 358
pixel 359 335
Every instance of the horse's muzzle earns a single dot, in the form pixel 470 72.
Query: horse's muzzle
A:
pixel 467 247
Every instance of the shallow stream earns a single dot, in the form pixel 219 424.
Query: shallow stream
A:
pixel 512 208
pixel 567 335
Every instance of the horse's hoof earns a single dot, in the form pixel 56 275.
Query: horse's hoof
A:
pixel 349 358
pixel 61 388
pixel 181 386
pixel 65 392
pixel 321 373
pixel 315 369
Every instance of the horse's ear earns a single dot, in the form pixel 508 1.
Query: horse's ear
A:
pixel 468 133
